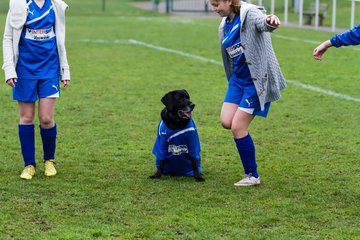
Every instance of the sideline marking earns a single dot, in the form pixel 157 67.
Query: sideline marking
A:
pixel 132 41
pixel 306 41
pixel 328 92
pixel 189 55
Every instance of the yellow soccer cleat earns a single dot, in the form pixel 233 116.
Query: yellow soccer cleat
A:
pixel 50 169
pixel 28 172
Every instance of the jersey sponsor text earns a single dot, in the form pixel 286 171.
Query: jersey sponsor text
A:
pixel 39 34
pixel 235 50
pixel 177 150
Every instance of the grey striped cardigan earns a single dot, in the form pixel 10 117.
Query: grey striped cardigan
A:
pixel 259 53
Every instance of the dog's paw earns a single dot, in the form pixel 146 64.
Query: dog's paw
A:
pixel 155 176
pixel 200 179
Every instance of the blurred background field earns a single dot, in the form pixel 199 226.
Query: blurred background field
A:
pixel 122 62
pixel 121 7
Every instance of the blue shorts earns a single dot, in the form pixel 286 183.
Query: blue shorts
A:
pixel 29 90
pixel 246 97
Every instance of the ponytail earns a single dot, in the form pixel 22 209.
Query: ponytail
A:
pixel 236 6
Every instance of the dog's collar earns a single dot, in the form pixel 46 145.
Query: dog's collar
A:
pixel 170 114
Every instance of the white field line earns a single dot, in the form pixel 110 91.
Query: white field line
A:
pixel 296 39
pixel 189 55
pixel 328 92
pixel 307 41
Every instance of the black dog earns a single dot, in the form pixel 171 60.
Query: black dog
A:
pixel 177 146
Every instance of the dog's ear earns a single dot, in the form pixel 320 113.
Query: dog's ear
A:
pixel 184 93
pixel 167 100
pixel 171 99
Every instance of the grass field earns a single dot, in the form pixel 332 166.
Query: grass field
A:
pixel 122 63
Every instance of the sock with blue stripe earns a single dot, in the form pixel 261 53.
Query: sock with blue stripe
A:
pixel 246 149
pixel 48 137
pixel 27 143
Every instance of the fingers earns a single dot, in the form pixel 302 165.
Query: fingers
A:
pixel 317 55
pixel 66 84
pixel 273 20
pixel 11 82
pixel 320 50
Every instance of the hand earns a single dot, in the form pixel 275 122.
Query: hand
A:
pixel 11 82
pixel 66 83
pixel 273 20
pixel 321 49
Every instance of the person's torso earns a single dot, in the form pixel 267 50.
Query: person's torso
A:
pixel 232 44
pixel 38 55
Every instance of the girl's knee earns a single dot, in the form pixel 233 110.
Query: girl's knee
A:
pixel 226 124
pixel 239 131
pixel 26 120
pixel 46 120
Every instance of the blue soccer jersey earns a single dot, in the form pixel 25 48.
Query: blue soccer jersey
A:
pixel 38 56
pixel 177 147
pixel 233 47
pixel 241 89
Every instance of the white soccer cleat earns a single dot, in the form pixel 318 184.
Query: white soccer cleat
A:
pixel 248 180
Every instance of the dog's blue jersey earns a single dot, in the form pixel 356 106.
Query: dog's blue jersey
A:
pixel 38 56
pixel 177 147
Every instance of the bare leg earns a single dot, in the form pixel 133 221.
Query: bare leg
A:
pixel 240 123
pixel 228 111
pixel 26 112
pixel 46 112
pixel 235 119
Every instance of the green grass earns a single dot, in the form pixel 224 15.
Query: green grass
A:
pixel 308 148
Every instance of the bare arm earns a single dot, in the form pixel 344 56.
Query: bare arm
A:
pixel 321 49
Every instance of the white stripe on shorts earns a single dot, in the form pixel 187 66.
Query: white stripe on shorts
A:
pixel 56 95
pixel 247 110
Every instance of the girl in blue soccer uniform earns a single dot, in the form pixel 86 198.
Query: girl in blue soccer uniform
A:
pixel 34 62
pixel 253 74
pixel 350 37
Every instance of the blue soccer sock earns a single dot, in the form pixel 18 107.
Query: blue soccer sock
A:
pixel 48 137
pixel 246 151
pixel 27 143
